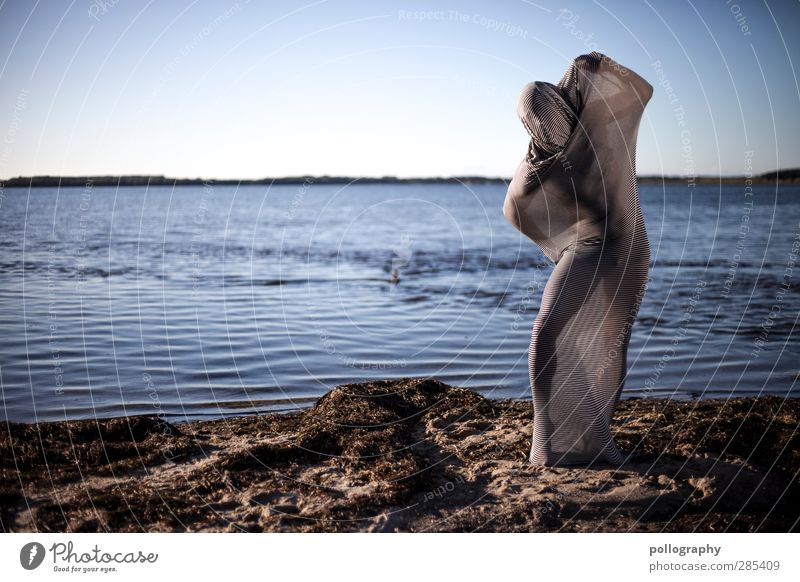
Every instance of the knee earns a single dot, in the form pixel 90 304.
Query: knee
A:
pixel 511 212
pixel 543 336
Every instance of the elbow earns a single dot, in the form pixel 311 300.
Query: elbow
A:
pixel 645 91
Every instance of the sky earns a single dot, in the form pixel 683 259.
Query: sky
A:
pixel 250 89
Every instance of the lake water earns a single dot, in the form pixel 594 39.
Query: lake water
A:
pixel 206 301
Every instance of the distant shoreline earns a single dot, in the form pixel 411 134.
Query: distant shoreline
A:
pixel 787 176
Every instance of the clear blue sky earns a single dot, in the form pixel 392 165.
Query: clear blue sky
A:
pixel 247 90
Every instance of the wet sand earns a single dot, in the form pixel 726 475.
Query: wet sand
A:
pixel 406 455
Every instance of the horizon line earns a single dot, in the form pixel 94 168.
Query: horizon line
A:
pixel 784 174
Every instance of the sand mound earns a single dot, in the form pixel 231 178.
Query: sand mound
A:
pixel 406 455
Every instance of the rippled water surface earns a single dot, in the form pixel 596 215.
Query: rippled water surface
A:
pixel 199 302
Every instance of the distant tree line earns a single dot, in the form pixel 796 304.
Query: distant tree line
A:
pixel 783 176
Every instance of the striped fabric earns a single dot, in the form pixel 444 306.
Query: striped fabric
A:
pixel 575 196
pixel 547 116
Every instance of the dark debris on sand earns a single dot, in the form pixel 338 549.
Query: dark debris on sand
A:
pixel 405 455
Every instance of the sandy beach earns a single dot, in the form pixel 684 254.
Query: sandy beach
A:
pixel 410 455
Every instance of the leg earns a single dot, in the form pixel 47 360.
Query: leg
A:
pixel 577 359
pixel 552 353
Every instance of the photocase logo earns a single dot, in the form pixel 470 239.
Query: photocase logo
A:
pixel 31 555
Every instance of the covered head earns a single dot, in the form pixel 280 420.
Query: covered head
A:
pixel 548 115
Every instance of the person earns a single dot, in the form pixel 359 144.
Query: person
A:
pixel 575 196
